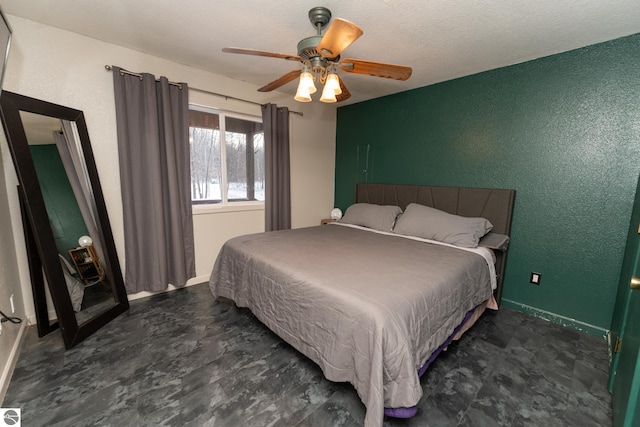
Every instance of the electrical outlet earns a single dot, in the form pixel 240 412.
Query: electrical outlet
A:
pixel 535 278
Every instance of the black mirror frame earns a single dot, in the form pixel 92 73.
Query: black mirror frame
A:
pixel 38 221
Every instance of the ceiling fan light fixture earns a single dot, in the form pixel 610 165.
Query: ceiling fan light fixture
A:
pixel 306 80
pixel 328 94
pixel 333 83
pixel 302 94
pixel 321 55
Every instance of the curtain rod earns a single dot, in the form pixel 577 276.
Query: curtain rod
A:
pixel 226 97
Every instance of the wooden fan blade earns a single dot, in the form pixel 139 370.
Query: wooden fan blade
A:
pixel 339 36
pixel 290 76
pixel 260 53
pixel 345 92
pixel 376 69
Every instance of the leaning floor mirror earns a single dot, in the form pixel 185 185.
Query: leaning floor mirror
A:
pixel 67 230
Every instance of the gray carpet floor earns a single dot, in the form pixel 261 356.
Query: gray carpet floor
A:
pixel 185 359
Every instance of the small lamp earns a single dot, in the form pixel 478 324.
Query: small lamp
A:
pixel 336 214
pixel 85 241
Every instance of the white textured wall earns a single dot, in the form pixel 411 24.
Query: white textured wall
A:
pixel 68 69
pixel 9 285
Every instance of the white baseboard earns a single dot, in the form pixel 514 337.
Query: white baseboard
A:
pixel 31 319
pixel 7 371
pixel 190 282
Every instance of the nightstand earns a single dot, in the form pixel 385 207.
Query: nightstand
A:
pixel 327 221
pixel 86 261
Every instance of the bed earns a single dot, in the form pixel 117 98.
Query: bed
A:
pixel 368 305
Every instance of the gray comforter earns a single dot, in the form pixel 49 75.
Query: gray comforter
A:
pixel 368 308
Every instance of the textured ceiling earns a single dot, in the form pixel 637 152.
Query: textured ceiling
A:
pixel 439 39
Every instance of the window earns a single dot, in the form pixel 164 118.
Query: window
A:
pixel 232 171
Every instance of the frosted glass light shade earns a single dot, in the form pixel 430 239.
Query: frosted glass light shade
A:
pixel 85 241
pixel 336 214
pixel 305 87
pixel 306 79
pixel 302 95
pixel 328 95
pixel 333 83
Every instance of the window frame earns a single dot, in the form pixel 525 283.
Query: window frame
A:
pixel 224 203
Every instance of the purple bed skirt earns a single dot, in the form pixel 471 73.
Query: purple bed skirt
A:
pixel 410 412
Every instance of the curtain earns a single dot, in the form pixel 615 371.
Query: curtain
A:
pixel 277 203
pixel 153 145
pixel 72 156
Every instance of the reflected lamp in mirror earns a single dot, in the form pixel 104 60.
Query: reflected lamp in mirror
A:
pixel 85 241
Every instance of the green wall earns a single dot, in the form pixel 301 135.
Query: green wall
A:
pixel 64 214
pixel 564 131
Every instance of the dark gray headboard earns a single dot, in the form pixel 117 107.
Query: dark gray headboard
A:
pixel 496 205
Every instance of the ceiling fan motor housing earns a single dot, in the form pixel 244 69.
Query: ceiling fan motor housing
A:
pixel 307 47
pixel 309 54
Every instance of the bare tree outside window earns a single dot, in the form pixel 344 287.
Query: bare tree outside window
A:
pixel 229 172
pixel 206 173
pixel 259 165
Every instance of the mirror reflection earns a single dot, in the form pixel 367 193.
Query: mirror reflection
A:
pixel 59 162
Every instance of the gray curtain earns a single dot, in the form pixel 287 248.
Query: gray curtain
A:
pixel 153 144
pixel 277 203
pixel 72 156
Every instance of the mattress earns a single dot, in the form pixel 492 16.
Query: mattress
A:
pixel 368 307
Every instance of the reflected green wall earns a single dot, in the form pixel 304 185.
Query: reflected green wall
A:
pixel 64 214
pixel 564 131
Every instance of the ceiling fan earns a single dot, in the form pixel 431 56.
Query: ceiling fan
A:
pixel 320 57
